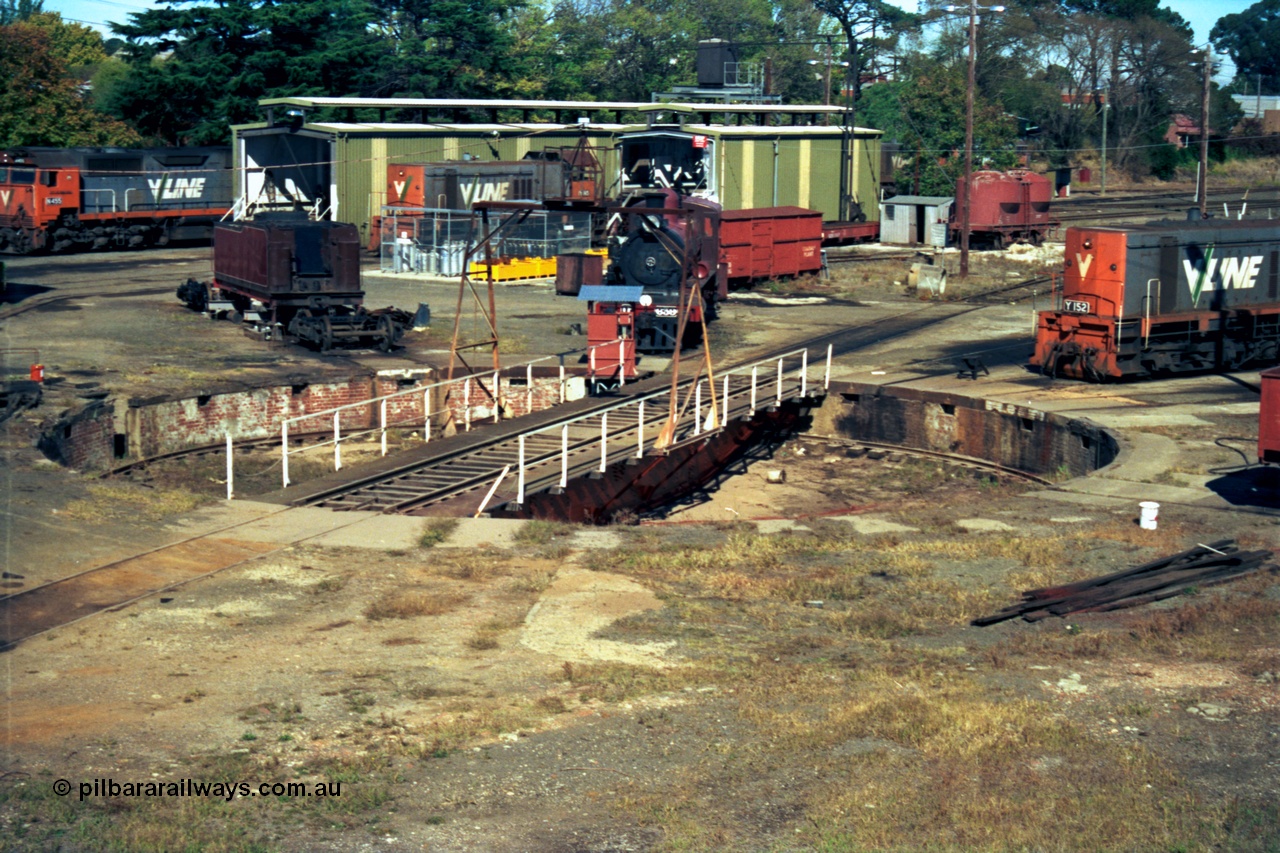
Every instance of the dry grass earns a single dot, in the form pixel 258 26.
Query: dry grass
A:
pixel 538 532
pixel 407 604
pixel 436 531
pixel 115 501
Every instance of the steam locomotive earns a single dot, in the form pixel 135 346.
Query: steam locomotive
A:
pixel 1164 298
pixel 61 199
pixel 662 242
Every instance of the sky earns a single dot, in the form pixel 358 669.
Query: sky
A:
pixel 1201 14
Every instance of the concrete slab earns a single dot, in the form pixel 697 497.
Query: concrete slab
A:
pixel 298 524
pixel 381 533
pixel 871 526
pixel 220 515
pixel 777 525
pixel 984 525
pixel 1088 499
pixel 1148 456
pixel 1135 492
pixel 495 532
pixel 1148 418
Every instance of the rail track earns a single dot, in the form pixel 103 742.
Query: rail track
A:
pixel 28 613
pixel 418 484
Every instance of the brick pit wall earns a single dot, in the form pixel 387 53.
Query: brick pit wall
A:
pixel 1014 436
pixel 106 433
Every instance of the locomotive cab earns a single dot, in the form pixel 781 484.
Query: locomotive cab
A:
pixel 611 335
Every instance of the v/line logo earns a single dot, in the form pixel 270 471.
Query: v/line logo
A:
pixel 172 189
pixel 1222 273
pixel 5 195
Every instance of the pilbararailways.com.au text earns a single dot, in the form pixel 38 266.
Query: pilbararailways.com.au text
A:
pixel 191 788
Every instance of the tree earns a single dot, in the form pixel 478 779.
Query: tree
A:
pixel 12 11
pixel 40 102
pixel 926 113
pixel 872 22
pixel 1252 39
pixel 196 70
pixel 447 48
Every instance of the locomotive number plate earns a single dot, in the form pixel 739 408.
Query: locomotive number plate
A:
pixel 1076 306
pixel 666 312
pixel 54 200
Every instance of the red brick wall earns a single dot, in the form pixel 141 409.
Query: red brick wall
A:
pixel 83 440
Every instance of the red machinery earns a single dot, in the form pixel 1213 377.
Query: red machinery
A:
pixel 770 242
pixel 1007 206
pixel 1269 418
pixel 611 338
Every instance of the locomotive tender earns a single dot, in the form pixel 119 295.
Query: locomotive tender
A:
pixel 60 199
pixel 294 274
pixel 1164 298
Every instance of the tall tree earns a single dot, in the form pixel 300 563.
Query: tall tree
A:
pixel 196 70
pixel 1252 39
pixel 447 48
pixel 12 11
pixel 926 112
pixel 866 25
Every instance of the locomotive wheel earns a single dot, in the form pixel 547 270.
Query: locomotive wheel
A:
pixel 326 334
pixel 387 329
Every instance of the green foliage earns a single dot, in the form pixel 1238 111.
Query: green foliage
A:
pixel 1252 39
pixel 196 70
pixel 12 11
pixel 927 113
pixel 40 102
pixel 1164 161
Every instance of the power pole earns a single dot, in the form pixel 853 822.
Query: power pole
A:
pixel 1105 107
pixel 968 140
pixel 1202 183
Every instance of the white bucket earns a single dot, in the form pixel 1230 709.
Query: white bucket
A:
pixel 1150 515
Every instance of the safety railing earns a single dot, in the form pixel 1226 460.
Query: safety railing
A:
pixel 465 383
pixel 770 390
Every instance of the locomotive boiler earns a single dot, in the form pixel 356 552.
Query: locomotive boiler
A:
pixel 1164 298
pixel 64 199
pixel 664 242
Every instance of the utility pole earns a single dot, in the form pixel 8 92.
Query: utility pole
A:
pixel 968 140
pixel 1202 184
pixel 1106 105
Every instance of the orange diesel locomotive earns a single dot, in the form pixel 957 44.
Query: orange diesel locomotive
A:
pixel 62 199
pixel 1165 298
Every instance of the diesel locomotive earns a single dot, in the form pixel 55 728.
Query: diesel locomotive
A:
pixel 64 199
pixel 1165 298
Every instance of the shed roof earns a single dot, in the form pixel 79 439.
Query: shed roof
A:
pixel 489 104
pixel 927 200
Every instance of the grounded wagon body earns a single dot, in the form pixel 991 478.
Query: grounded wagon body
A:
pixel 1007 206
pixel 1269 418
pixel 293 275
pixel 1168 297
pixel 769 242
pixel 59 199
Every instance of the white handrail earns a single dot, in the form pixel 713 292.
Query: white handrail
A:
pixel 425 390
